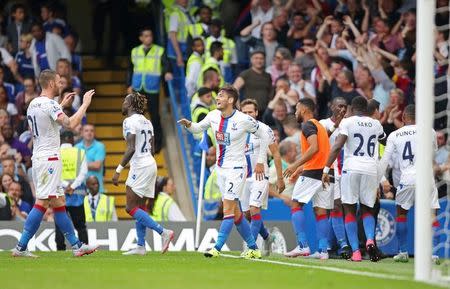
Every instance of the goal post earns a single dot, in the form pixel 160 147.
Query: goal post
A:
pixel 424 119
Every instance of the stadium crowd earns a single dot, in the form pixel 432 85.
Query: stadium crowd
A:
pixel 278 52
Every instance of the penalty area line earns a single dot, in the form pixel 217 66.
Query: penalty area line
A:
pixel 327 268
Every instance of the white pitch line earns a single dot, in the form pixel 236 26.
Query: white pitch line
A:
pixel 327 268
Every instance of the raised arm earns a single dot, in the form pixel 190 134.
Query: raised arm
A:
pixel 194 127
pixel 73 121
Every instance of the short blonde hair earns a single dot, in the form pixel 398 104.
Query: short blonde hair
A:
pixel 26 37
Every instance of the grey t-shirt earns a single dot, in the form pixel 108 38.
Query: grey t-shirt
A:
pixel 257 86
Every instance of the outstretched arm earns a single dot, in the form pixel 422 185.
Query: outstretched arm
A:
pixel 194 127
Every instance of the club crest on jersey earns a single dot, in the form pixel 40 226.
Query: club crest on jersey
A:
pixel 50 171
pixel 223 138
pixel 133 176
pixel 386 228
pixel 234 126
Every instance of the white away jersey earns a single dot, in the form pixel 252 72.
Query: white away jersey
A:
pixel 231 137
pixel 140 126
pixel 41 115
pixel 252 147
pixel 361 147
pixel 328 124
pixel 401 147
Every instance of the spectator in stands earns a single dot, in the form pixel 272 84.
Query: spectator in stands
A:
pixel 276 69
pixel 163 207
pixel 148 64
pixel 13 168
pixel 6 180
pixel 288 154
pixel 303 87
pixel 23 99
pixel 211 80
pixel 8 106
pixel 71 41
pixel 95 153
pixel 274 116
pixel 293 132
pixel 21 208
pixel 74 171
pixel 17 26
pixel 51 23
pixel 284 92
pixel 262 12
pixel 8 136
pixel 46 48
pixel 64 68
pixel 98 207
pixel 255 82
pixel 267 43
pixel 300 28
pixel 280 24
pixel 23 57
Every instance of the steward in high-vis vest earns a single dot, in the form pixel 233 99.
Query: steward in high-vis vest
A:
pixel 201 28
pixel 212 198
pixel 194 66
pixel 204 105
pixel 97 206
pixel 164 207
pixel 148 64
pixel 74 171
pixel 229 49
pixel 178 30
pixel 213 62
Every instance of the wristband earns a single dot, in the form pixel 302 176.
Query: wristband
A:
pixel 119 169
pixel 326 170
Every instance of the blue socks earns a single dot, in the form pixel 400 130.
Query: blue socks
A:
pixel 402 234
pixel 369 225
pixel 31 226
pixel 257 227
pixel 337 222
pixel 140 233
pixel 224 231
pixel 141 216
pixel 65 225
pixel 298 222
pixel 352 231
pixel 243 227
pixel 323 227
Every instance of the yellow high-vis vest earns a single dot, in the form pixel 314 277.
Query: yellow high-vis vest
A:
pixel 161 208
pixel 228 46
pixel 71 159
pixel 193 59
pixel 146 68
pixel 210 63
pixel 104 211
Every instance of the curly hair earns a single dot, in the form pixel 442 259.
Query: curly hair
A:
pixel 138 102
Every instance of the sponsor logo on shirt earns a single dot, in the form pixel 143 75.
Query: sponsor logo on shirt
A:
pixel 223 138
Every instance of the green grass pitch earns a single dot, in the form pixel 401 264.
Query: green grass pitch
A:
pixel 186 270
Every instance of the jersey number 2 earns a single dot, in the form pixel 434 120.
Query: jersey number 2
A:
pixel 144 148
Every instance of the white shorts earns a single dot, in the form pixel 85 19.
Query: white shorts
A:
pixel 256 194
pixel 406 194
pixel 307 188
pixel 47 177
pixel 358 187
pixel 231 182
pixel 337 188
pixel 142 180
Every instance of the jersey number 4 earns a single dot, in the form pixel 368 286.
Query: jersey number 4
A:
pixel 370 145
pixel 407 152
pixel 146 144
